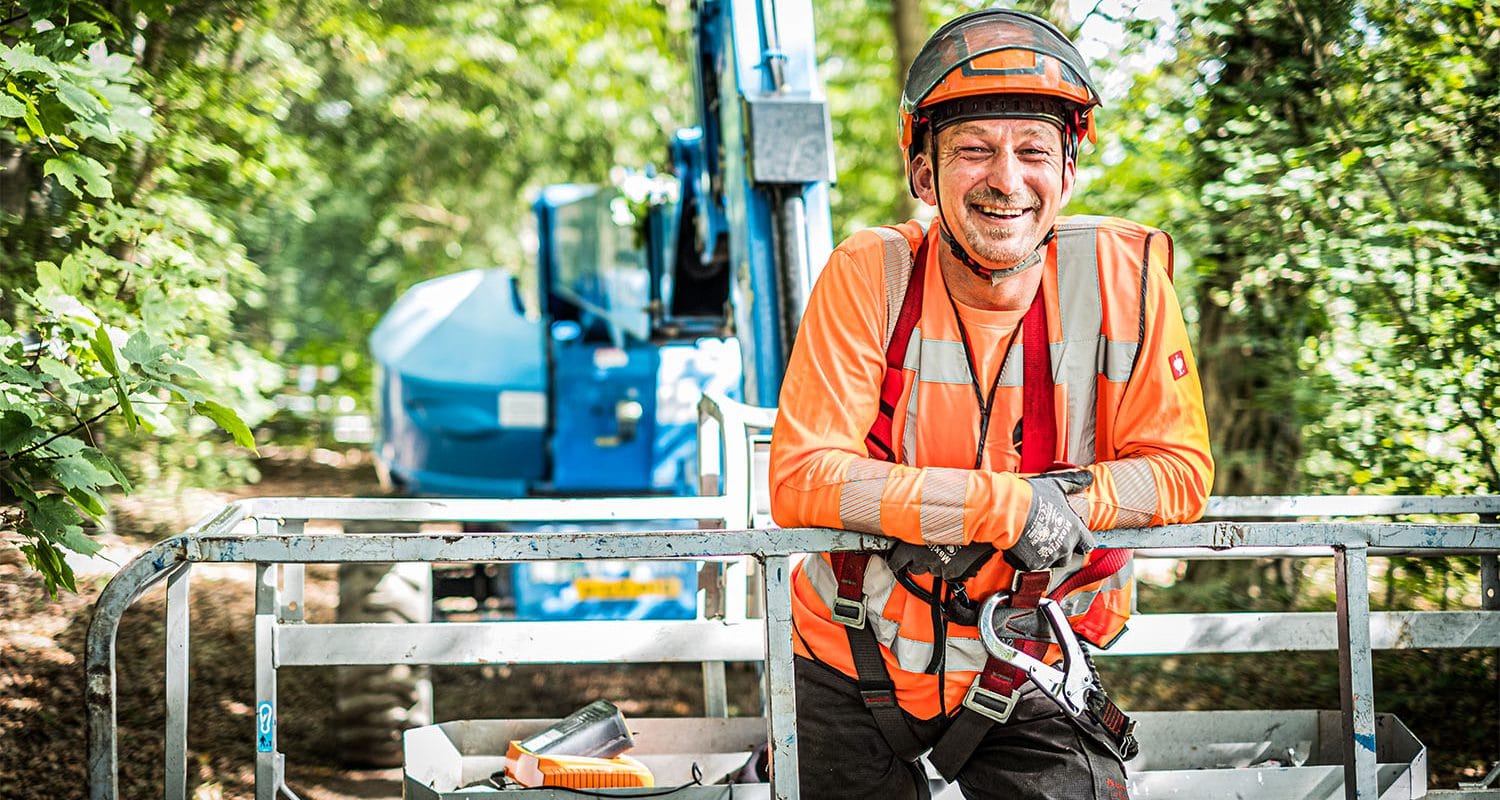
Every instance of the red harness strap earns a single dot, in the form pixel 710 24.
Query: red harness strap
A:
pixel 997 688
pixel 873 679
pixel 878 441
pixel 1038 446
pixel 1038 417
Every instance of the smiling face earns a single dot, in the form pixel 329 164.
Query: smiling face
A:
pixel 1002 182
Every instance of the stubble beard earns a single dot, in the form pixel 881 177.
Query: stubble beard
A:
pixel 1000 245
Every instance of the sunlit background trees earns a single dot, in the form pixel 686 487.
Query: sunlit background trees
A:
pixel 198 198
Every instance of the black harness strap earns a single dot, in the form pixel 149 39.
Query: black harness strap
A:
pixel 873 679
pixel 997 687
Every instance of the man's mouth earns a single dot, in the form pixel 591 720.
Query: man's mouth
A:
pixel 1000 213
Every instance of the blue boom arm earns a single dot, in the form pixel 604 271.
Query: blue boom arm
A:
pixel 767 149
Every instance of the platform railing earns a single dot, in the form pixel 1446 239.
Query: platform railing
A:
pixel 280 542
pixel 271 533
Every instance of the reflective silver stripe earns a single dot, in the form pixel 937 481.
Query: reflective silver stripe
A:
pixel 941 362
pixel 859 499
pixel 1135 493
pixel 1013 371
pixel 1081 222
pixel 938 361
pixel 944 491
pixel 913 358
pixel 1079 602
pixel 879 583
pixel 908 454
pixel 1122 578
pixel 1116 359
pixel 897 256
pixel 1082 320
pixel 963 654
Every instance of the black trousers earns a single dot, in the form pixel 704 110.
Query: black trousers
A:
pixel 1041 753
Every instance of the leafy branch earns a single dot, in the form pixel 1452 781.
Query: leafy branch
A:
pixel 81 351
pixel 81 426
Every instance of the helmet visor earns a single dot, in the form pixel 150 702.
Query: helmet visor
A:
pixel 981 32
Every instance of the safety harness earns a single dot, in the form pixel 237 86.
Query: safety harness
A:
pixel 997 688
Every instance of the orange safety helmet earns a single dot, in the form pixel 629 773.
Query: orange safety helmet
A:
pixel 998 63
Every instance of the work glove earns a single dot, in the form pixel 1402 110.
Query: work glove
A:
pixel 1053 531
pixel 950 562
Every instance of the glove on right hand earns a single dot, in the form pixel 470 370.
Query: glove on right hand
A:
pixel 1053 531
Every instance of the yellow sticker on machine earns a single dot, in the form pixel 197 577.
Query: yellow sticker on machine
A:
pixel 607 589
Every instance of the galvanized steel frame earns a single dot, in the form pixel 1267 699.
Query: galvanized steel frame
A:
pixel 271 547
pixel 279 541
pixel 279 548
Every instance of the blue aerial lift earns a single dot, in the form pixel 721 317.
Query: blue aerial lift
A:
pixel 479 399
pixel 640 309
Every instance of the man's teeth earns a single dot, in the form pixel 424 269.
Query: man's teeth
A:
pixel 1003 213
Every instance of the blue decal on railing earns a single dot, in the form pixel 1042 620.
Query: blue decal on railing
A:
pixel 1366 740
pixel 265 723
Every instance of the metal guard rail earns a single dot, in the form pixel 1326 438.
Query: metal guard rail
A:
pixel 211 541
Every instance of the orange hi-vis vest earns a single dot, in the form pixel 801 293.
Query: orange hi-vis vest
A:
pixel 1128 407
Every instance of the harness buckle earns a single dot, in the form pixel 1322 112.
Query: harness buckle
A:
pixel 1020 578
pixel 848 612
pixel 991 704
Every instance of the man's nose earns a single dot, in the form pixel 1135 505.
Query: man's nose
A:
pixel 1005 175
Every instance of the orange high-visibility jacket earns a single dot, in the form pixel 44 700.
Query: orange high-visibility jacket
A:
pixel 1128 402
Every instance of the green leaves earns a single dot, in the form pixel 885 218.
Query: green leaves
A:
pixel 227 419
pixel 11 107
pixel 1345 185
pixel 56 394
pixel 123 263
pixel 17 431
pixel 69 105
pixel 22 59
pixel 69 168
pixel 104 350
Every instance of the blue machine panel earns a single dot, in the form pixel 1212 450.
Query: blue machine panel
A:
pixel 604 400
pixel 627 419
pixel 606 590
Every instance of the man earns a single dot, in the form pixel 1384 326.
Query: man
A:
pixel 916 406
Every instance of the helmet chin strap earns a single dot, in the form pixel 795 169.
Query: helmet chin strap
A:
pixel 992 275
pixel 986 273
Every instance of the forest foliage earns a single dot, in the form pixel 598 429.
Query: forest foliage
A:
pixel 195 197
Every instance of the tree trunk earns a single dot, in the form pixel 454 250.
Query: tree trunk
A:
pixel 909 25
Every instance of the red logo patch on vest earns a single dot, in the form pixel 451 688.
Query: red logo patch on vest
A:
pixel 1179 364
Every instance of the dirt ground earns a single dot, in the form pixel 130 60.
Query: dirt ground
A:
pixel 1447 697
pixel 42 732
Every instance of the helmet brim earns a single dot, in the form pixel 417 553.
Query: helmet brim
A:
pixel 973 35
